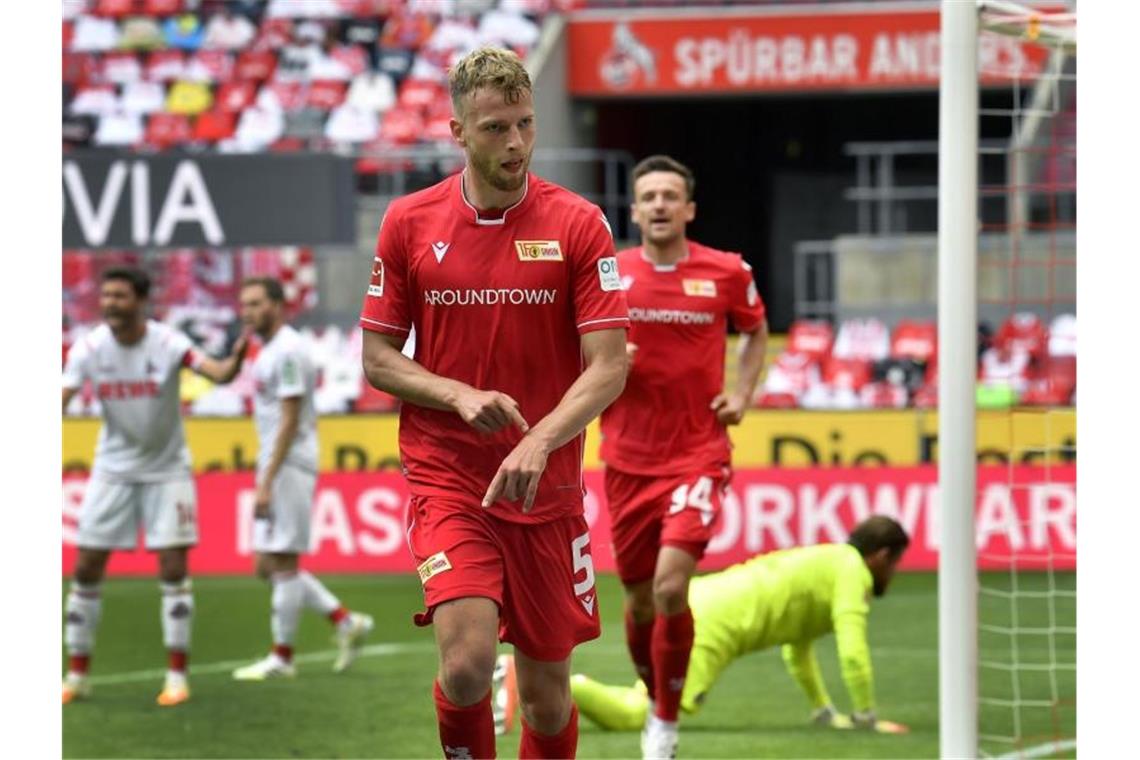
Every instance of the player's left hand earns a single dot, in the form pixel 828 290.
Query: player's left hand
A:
pixel 729 408
pixel 261 501
pixel 518 475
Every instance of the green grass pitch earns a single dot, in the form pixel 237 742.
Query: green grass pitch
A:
pixel 383 708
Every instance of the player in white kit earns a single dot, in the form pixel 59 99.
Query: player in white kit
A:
pixel 286 482
pixel 141 476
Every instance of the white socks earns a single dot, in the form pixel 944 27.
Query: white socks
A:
pixel 288 600
pixel 177 615
pixel 317 597
pixel 84 608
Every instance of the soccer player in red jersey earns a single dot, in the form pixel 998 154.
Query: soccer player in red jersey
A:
pixel 512 287
pixel 664 441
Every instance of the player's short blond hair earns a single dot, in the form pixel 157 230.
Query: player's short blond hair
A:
pixel 494 68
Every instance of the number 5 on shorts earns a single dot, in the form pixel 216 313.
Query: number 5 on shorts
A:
pixel 582 562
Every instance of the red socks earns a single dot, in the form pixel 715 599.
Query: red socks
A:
pixel 672 643
pixel 176 661
pixel 78 663
pixel 466 732
pixel 639 638
pixel 564 744
pixel 284 651
pixel 337 615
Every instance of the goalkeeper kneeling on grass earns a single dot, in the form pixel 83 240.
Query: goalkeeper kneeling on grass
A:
pixel 788 598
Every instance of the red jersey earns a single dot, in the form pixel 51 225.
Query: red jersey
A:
pixel 498 304
pixel 679 316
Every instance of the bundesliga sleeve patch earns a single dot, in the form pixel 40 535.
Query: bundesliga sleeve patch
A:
pixel 608 277
pixel 376 287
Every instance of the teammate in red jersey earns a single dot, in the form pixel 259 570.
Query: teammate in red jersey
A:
pixel 512 287
pixel 664 441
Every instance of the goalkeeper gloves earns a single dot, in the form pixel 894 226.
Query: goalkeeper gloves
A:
pixel 867 720
pixel 828 717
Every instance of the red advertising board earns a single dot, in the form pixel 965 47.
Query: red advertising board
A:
pixel 1024 512
pixel 773 50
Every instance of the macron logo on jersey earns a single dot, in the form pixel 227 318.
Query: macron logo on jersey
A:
pixel 440 250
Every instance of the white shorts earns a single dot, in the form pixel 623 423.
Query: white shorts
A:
pixel 286 531
pixel 111 512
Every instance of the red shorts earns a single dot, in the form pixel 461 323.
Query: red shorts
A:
pixel 651 511
pixel 541 575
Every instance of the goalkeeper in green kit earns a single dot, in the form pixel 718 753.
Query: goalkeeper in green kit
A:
pixel 788 598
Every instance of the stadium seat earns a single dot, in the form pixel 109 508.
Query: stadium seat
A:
pixel 166 65
pixel 419 94
pixel 119 129
pixel 851 374
pixel 143 97
pixel 1063 335
pixel 1023 331
pixel 255 65
pixel 162 7
pixel 81 68
pixel 812 338
pixel 235 96
pixel 401 127
pixel 190 98
pixel 116 8
pixel 210 66
pixel 95 100
pixel 372 400
pixel 438 129
pixel 776 401
pixel 866 339
pixel 926 397
pixel 122 67
pixel 914 340
pixel 275 33
pixel 351 57
pixel 165 130
pixel 214 126
pixel 325 95
pixel 288 96
pixel 883 395
pixel 406 31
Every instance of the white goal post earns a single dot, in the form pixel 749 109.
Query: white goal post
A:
pixel 958 230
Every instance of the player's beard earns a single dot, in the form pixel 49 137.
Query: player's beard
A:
pixel 491 172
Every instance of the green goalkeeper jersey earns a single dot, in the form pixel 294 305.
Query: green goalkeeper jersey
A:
pixel 790 598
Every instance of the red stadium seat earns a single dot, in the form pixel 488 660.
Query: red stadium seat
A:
pixel 288 145
pixel 255 65
pixel 289 95
pixel 165 65
pixel 215 125
pixel 777 401
pixel 68 33
pixel 211 65
pixel 926 397
pixel 419 94
pixel 162 7
pixel 438 129
pixel 883 395
pixel 811 337
pixel 1023 331
pixel 274 33
pixel 401 127
pixel 81 68
pixel 167 129
pixel 326 95
pixel 846 373
pixel 372 400
pixel 235 96
pixel 914 340
pixel 353 57
pixel 116 8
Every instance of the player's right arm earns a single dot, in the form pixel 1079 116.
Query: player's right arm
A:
pixel 803 667
pixel 386 323
pixel 390 371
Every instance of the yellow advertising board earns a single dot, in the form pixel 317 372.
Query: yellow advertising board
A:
pixel 788 438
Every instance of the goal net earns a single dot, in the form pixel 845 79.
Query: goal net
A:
pixel 1026 606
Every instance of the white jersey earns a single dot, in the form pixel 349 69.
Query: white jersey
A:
pixel 283 370
pixel 141 440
